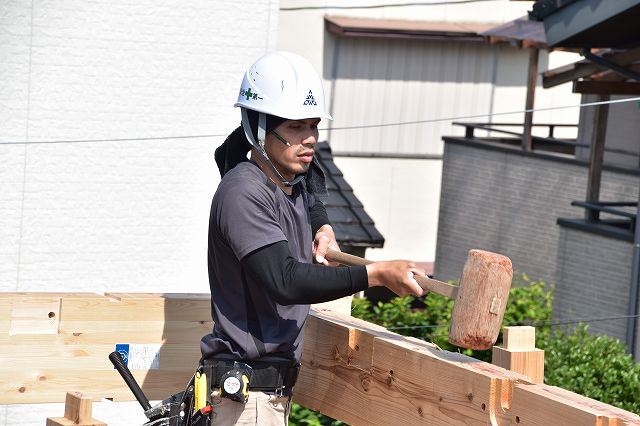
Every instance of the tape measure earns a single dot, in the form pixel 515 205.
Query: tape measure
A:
pixel 234 384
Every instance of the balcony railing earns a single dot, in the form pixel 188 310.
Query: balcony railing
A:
pixel 613 219
pixel 544 143
pixel 548 143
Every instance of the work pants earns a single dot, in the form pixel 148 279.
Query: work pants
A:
pixel 261 409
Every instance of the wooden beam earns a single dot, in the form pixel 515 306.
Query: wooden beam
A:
pixel 610 75
pixel 596 156
pixel 42 367
pixel 542 405
pixel 353 370
pixel 584 68
pixel 366 375
pixel 568 73
pixel 606 87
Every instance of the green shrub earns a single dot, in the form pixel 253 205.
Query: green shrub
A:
pixel 598 367
pixel 301 416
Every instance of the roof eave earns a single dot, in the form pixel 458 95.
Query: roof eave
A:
pixel 398 29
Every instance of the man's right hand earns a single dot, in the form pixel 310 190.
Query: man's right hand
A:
pixel 397 276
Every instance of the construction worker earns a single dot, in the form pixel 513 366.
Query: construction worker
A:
pixel 268 226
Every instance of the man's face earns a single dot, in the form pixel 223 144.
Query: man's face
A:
pixel 295 158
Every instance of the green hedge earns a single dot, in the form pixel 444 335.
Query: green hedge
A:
pixel 595 366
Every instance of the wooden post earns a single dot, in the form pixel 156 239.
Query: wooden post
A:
pixel 520 354
pixel 597 156
pixel 77 411
pixel 532 78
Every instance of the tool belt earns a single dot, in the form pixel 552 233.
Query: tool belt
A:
pixel 269 373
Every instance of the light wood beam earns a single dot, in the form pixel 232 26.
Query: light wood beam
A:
pixel 353 370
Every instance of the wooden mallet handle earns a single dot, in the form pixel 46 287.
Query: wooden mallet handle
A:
pixel 426 283
pixel 480 299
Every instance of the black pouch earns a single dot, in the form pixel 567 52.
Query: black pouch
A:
pixel 200 419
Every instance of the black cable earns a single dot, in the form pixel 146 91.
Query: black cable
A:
pixel 552 323
pixel 535 323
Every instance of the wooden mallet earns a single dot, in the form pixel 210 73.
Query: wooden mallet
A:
pixel 480 299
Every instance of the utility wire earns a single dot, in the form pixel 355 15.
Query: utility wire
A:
pixel 403 123
pixel 380 6
pixel 552 323
pixel 364 126
pixel 114 140
pixel 535 323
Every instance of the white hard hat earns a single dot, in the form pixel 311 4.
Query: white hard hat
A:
pixel 283 84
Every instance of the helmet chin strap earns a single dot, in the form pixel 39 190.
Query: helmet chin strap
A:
pixel 262 135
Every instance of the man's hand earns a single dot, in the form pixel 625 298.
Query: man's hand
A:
pixel 324 239
pixel 397 276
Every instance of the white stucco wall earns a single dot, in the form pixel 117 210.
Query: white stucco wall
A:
pixel 401 193
pixel 122 212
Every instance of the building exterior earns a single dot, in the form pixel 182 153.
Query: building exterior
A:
pixel 564 210
pixel 423 64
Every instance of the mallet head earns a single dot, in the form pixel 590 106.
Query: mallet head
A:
pixel 482 296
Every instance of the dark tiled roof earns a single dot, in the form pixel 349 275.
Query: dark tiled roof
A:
pixel 587 24
pixel 543 8
pixel 522 31
pixel 351 224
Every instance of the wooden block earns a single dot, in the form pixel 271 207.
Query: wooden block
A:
pixel 77 411
pixel 78 407
pixel 519 338
pixel 520 354
pixel 529 363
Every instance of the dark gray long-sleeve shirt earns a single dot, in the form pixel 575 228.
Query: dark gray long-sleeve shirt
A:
pixel 260 270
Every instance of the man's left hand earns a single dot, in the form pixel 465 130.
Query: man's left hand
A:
pixel 324 239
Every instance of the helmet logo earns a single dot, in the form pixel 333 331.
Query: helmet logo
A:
pixel 249 94
pixel 310 99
